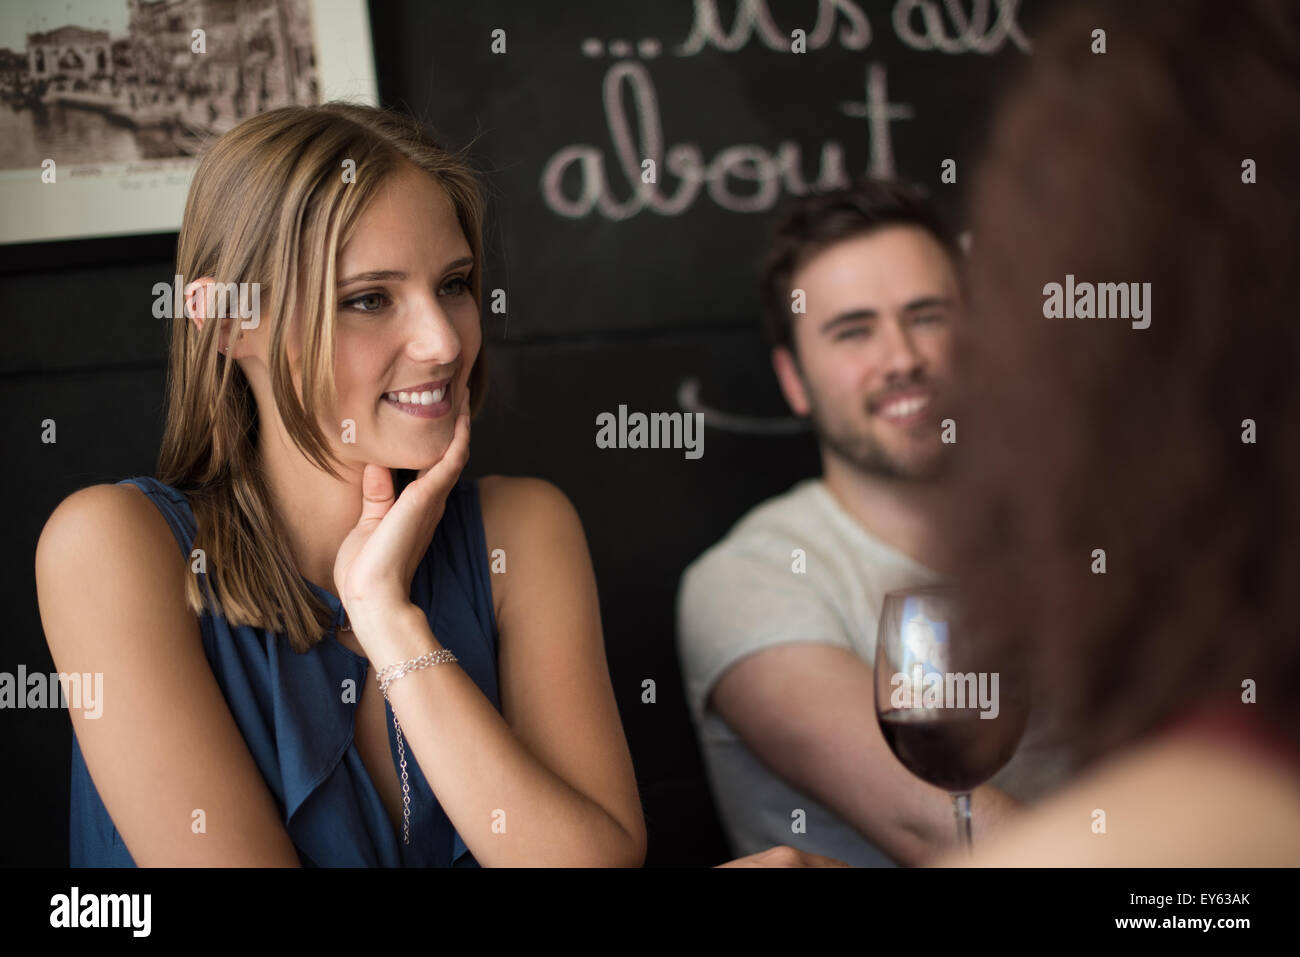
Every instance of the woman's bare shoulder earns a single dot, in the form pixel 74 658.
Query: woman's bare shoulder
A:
pixel 122 513
pixel 1171 802
pixel 512 503
pixel 524 520
pixel 95 531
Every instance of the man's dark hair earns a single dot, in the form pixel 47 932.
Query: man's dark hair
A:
pixel 811 223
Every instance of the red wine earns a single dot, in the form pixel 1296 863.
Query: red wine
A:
pixel 952 748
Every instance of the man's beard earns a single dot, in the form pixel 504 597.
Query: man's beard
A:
pixel 862 451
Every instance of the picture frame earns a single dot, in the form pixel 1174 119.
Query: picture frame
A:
pixel 101 117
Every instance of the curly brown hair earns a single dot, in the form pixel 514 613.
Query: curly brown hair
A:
pixel 1083 434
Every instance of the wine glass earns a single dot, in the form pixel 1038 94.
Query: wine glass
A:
pixel 950 712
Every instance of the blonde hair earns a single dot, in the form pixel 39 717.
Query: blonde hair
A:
pixel 269 203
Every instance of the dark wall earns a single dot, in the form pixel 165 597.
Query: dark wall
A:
pixel 600 312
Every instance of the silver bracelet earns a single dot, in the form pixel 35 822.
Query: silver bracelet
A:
pixel 386 676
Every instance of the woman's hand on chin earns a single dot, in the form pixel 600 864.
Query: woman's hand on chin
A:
pixel 377 560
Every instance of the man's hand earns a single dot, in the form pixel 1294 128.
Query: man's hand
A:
pixel 807 711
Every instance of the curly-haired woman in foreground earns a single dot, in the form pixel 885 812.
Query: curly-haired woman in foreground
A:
pixel 1169 160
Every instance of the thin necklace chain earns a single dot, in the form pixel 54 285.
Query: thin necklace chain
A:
pixel 432 658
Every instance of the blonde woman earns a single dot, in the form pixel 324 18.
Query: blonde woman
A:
pixel 309 532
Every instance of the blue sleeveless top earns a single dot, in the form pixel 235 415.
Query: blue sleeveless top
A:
pixel 290 709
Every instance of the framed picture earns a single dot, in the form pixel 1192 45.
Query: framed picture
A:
pixel 104 104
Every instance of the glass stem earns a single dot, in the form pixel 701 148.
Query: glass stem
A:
pixel 961 805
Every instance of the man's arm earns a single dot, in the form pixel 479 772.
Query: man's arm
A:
pixel 807 710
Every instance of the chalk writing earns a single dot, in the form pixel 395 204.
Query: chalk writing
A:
pixel 640 137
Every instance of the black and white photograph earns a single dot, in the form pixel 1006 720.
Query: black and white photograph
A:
pixel 120 96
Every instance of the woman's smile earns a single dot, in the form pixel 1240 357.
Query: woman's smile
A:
pixel 423 402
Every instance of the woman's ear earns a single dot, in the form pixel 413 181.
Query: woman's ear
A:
pixel 199 299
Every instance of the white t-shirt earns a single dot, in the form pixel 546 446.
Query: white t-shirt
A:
pixel 743 595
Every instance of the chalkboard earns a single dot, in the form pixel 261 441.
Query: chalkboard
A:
pixel 639 150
